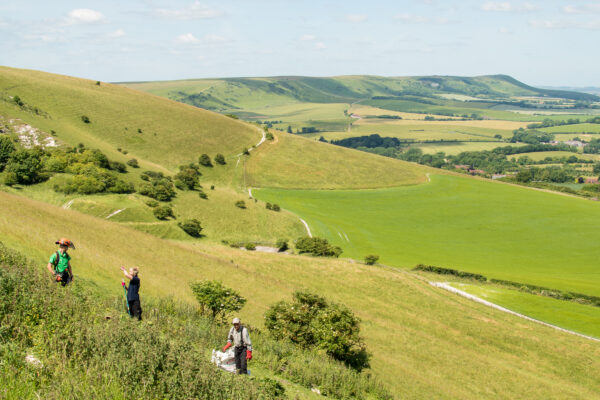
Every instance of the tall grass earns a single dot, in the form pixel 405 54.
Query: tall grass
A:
pixel 90 348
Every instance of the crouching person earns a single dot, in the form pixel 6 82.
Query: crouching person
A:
pixel 240 340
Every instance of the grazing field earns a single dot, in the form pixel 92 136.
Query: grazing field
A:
pixel 296 162
pixel 580 318
pixel 454 148
pixel 540 155
pixel 575 128
pixel 439 337
pixel 499 230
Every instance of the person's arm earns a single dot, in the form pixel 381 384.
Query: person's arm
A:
pixel 69 269
pixel 248 343
pixel 229 339
pixel 51 269
pixel 127 274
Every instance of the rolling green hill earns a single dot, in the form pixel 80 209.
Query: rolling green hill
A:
pixel 424 342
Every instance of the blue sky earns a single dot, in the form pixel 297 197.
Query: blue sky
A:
pixel 539 42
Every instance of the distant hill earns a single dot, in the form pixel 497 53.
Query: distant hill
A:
pixel 584 89
pixel 244 93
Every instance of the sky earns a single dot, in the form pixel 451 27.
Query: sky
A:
pixel 542 43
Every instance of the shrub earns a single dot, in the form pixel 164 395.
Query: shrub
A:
pixel 202 195
pixel 10 179
pixel 133 163
pixel 269 206
pixel 27 166
pixel 276 207
pixel 317 247
pixel 85 119
pixel 250 246
pixel 18 101
pixel 204 160
pixel 7 147
pixel 246 152
pixel 212 187
pixel 217 300
pixel 220 159
pixel 311 321
pixel 282 244
pixel 152 203
pixel 269 136
pixel 371 259
pixel 117 166
pixel 163 212
pixel 191 226
pixel 161 189
pixel 188 176
pixel 240 204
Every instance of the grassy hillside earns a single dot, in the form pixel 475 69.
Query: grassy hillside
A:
pixel 171 133
pixel 296 162
pixel 425 342
pixel 471 225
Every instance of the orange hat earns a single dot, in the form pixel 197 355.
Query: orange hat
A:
pixel 65 242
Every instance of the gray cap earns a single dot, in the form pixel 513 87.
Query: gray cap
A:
pixel 236 321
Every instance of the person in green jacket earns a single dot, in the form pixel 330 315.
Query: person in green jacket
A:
pixel 59 264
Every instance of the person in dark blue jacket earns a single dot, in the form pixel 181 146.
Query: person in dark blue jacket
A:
pixel 133 295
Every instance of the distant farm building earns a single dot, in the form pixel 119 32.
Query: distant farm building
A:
pixel 575 143
pixel 466 167
pixel 476 171
pixel 591 180
pixel 498 176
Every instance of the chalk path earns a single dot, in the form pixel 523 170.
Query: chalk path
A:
pixel 459 292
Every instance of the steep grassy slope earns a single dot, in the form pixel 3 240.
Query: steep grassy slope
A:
pixel 296 162
pixel 171 133
pixel 425 342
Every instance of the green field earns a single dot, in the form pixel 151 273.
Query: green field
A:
pixel 454 148
pixel 576 128
pixel 494 229
pixel 540 155
pixel 580 318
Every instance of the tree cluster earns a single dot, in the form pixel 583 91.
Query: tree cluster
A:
pixel 317 247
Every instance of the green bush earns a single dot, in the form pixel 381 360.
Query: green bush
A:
pixel 10 179
pixel 157 187
pixel 216 300
pixel 240 204
pixel 250 246
pixel 117 166
pixel 191 226
pixel 317 247
pixel 311 321
pixel 202 195
pixel 163 212
pixel 371 259
pixel 133 163
pixel 152 203
pixel 188 175
pixel 7 147
pixel 220 159
pixel 85 119
pixel 282 244
pixel 276 207
pixel 204 160
pixel 27 166
pixel 269 136
pixel 269 206
pixel 246 152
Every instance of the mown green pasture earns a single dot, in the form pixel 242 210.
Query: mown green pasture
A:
pixel 575 128
pixel 453 148
pixel 540 155
pixel 580 318
pixel 499 230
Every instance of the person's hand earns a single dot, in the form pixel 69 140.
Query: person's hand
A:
pixel 228 345
pixel 122 268
pixel 123 283
pixel 248 355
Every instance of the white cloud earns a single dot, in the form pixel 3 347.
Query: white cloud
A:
pixel 84 16
pixel 320 46
pixel 117 34
pixel 356 17
pixel 187 38
pixel 306 38
pixel 582 9
pixel 565 24
pixel 505 6
pixel 419 19
pixel 196 10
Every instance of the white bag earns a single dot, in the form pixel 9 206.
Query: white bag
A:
pixel 224 360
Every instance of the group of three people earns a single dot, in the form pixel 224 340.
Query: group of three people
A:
pixel 60 267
